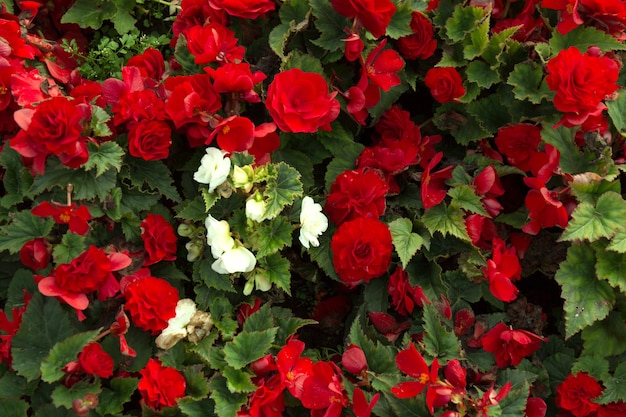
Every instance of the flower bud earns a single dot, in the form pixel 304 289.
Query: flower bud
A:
pixel 255 207
pixel 194 250
pixel 242 178
pixel 353 359
pixel 186 230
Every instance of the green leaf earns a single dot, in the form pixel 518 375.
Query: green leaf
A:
pixel 465 198
pixel 323 256
pixel 63 396
pixel 123 21
pixel 70 247
pixel 16 179
pixel 558 367
pixel 203 273
pixel 238 380
pixel 405 407
pixel 592 223
pixel 24 227
pixel 527 82
pixel 489 111
pixel 446 220
pixel 427 275
pixel 582 38
pixel 463 21
pixel 281 190
pixel 270 237
pixel 247 347
pixel 587 299
pixel 102 158
pixel 12 386
pixel 404 240
pixel 380 358
pixel 278 39
pixel 191 408
pixel 197 384
pixel 496 46
pixel 617 111
pixel 152 177
pixel 455 118
pixel 615 387
pixel 64 352
pixel 276 270
pixel 438 341
pixel 193 210
pixel 112 399
pixel 87 185
pixel 44 324
pixel 259 320
pixel 99 127
pixel 611 266
pixel 13 407
pixel 482 74
pixel 9 5
pixel 572 160
pixel 478 41
pixel 618 241
pixel 594 364
pixel 330 24
pixel 606 337
pixel 400 21
pixel 590 191
pixel 300 161
pixel 227 403
pixel 287 324
pixel 90 13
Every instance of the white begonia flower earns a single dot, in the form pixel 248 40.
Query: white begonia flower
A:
pixel 312 222
pixel 255 208
pixel 218 236
pixel 238 259
pixel 176 329
pixel 214 168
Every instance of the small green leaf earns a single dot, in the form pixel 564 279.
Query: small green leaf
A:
pixel 478 41
pixel 330 24
pixel 582 38
pixel 278 39
pixel 572 160
pixel 455 118
pixel 287 324
pixel 617 111
pixel 282 190
pixel 112 399
pixel 615 387
pixel 438 341
pixel 323 256
pixel 404 240
pixel 247 347
pixel 489 111
pixel 463 21
pixel 276 270
pixel 594 364
pixel 193 210
pixel 259 320
pixel 123 21
pixel 99 127
pixel 527 82
pixel 305 62
pixel 400 21
pixel 618 241
pixel 70 247
pixel 192 408
pixel 496 46
pixel 446 220
pixel 151 177
pixel 86 184
pixel 587 299
pixel 427 275
pixel 270 237
pixel 63 396
pixel 44 324
pixel 592 223
pixel 90 14
pixel 24 227
pixel 197 384
pixel 611 266
pixel 482 74
pixel 13 407
pixel 64 352
pixel 464 197
pixel 238 380
pixel 607 337
pixel 103 157
pixel 380 358
pixel 203 273
pixel 227 403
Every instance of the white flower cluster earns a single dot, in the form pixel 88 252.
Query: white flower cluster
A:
pixel 230 255
pixel 312 222
pixel 214 168
pixel 188 323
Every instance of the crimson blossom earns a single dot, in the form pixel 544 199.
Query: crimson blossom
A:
pixel 159 239
pixel 502 269
pixel 510 346
pixel 445 84
pixel 36 254
pixel 404 296
pixel 161 386
pixel 580 82
pixel 299 102
pixel 357 256
pixel 421 44
pixel 576 393
pixel 374 15
pixel 246 9
pixel 545 210
pixel 433 189
pixel 76 217
pixel 413 364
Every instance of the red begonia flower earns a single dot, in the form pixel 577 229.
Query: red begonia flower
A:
pixel 576 394
pixel 360 406
pixel 353 359
pixel 161 386
pixel 213 42
pixel 433 189
pixel 510 346
pixel 10 328
pixel 545 210
pixel 36 254
pixel 93 360
pixel 374 15
pixel 382 67
pixel 410 362
pixel 501 270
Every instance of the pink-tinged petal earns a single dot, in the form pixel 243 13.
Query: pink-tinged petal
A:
pixel 23 117
pixel 408 389
pixel 125 349
pixel 119 261
pixel 49 287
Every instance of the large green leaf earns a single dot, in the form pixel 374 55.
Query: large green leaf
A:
pixel 615 387
pixel 64 352
pixel 617 111
pixel 592 223
pixel 582 38
pixel 404 240
pixel 238 380
pixel 44 324
pixel 281 190
pixel 527 82
pixel 151 177
pixel 70 247
pixel 90 13
pixel 464 197
pixel 112 399
pixel 380 358
pixel 463 22
pixel 104 157
pixel 611 266
pixel 270 237
pixel 287 324
pixel 400 21
pixel 24 227
pixel 276 269
pixel 87 185
pixel 482 74
pixel 587 299
pixel 227 403
pixel 330 24
pixel 247 347
pixel 13 407
pixel 606 337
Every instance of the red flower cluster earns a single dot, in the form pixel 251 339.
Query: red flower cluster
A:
pixel 510 346
pixel 159 239
pixel 373 15
pixel 576 393
pixel 502 269
pixel 421 44
pixel 404 296
pixel 76 217
pixel 10 329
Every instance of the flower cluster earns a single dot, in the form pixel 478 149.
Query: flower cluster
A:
pixel 324 208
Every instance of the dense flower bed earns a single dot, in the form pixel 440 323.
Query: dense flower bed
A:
pixel 329 208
